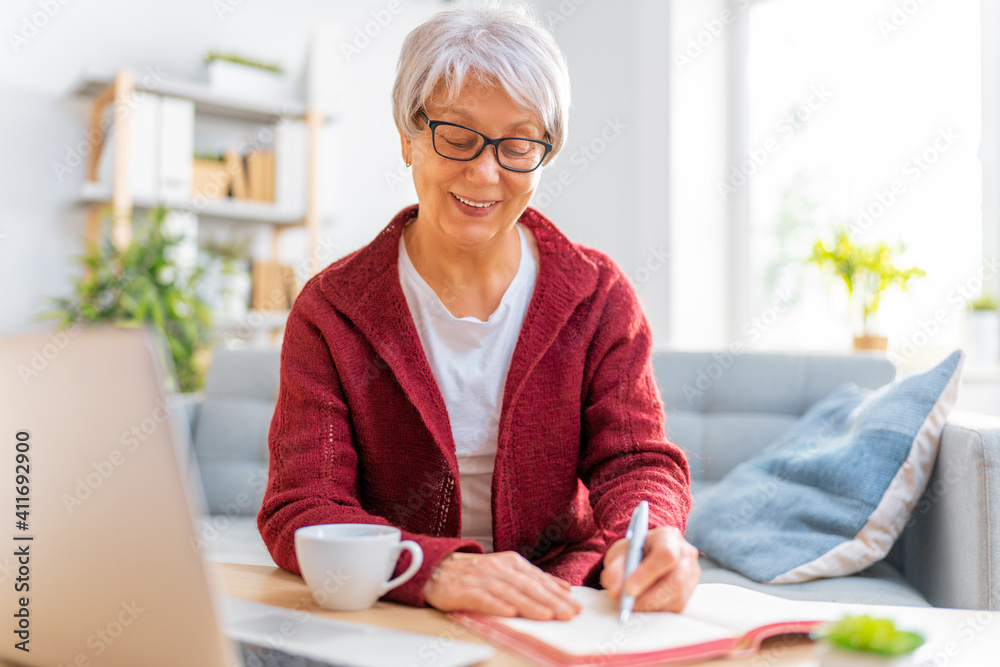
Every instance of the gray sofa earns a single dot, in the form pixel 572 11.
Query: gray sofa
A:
pixel 721 409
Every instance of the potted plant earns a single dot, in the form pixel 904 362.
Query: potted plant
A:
pixel 239 75
pixel 983 331
pixel 863 641
pixel 868 271
pixel 143 285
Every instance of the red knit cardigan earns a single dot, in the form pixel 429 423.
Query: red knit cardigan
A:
pixel 360 432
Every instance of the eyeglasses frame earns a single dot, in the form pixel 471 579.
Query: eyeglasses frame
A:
pixel 434 124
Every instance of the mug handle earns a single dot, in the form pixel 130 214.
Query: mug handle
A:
pixel 416 560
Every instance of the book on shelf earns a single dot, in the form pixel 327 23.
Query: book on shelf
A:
pixel 260 175
pixel 209 179
pixel 273 286
pixel 720 620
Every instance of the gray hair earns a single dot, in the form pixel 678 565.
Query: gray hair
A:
pixel 492 42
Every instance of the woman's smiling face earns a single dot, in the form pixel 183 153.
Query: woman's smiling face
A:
pixel 472 204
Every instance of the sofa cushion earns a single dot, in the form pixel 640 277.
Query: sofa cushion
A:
pixel 830 497
pixel 881 583
pixel 230 435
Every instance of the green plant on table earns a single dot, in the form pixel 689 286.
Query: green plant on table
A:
pixel 243 60
pixel 867 271
pixel 983 303
pixel 871 635
pixel 140 285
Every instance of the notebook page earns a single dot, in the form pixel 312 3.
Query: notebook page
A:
pixel 596 630
pixel 741 610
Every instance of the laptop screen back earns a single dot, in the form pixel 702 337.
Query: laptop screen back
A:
pixel 100 565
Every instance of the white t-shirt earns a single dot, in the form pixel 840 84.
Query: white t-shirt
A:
pixel 470 359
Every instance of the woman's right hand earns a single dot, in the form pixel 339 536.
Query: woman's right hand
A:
pixel 504 584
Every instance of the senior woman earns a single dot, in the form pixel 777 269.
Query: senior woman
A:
pixel 471 376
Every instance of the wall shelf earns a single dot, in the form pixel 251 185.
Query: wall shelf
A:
pixel 206 100
pixel 112 93
pixel 227 208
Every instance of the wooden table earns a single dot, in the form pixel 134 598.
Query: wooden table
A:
pixel 956 637
pixel 277 587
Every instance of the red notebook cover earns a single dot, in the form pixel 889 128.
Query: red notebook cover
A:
pixel 719 621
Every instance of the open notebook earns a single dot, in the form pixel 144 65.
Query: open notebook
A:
pixel 719 620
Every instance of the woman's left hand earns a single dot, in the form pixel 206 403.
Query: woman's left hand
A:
pixel 665 578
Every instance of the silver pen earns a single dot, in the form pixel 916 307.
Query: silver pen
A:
pixel 636 536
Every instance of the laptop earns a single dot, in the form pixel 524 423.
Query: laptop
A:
pixel 100 564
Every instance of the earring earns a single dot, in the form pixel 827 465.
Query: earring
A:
pixel 407 164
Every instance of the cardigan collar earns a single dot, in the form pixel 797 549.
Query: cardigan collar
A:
pixel 365 287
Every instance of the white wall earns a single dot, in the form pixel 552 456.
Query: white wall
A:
pixel 699 120
pixel 615 199
pixel 609 187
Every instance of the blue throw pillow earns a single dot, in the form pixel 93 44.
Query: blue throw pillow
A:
pixel 832 494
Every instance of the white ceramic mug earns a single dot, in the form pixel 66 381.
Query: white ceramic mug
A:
pixel 347 565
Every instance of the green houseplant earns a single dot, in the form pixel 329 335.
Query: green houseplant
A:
pixel 237 74
pixel 238 59
pixel 867 271
pixel 139 285
pixel 862 641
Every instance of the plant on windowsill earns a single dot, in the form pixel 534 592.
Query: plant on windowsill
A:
pixel 868 271
pixel 982 330
pixel 863 641
pixel 143 285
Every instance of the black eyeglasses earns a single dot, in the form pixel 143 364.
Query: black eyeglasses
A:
pixel 457 142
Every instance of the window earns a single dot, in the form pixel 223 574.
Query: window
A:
pixel 866 115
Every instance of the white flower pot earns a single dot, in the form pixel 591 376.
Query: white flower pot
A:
pixel 250 82
pixel 227 293
pixel 983 337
